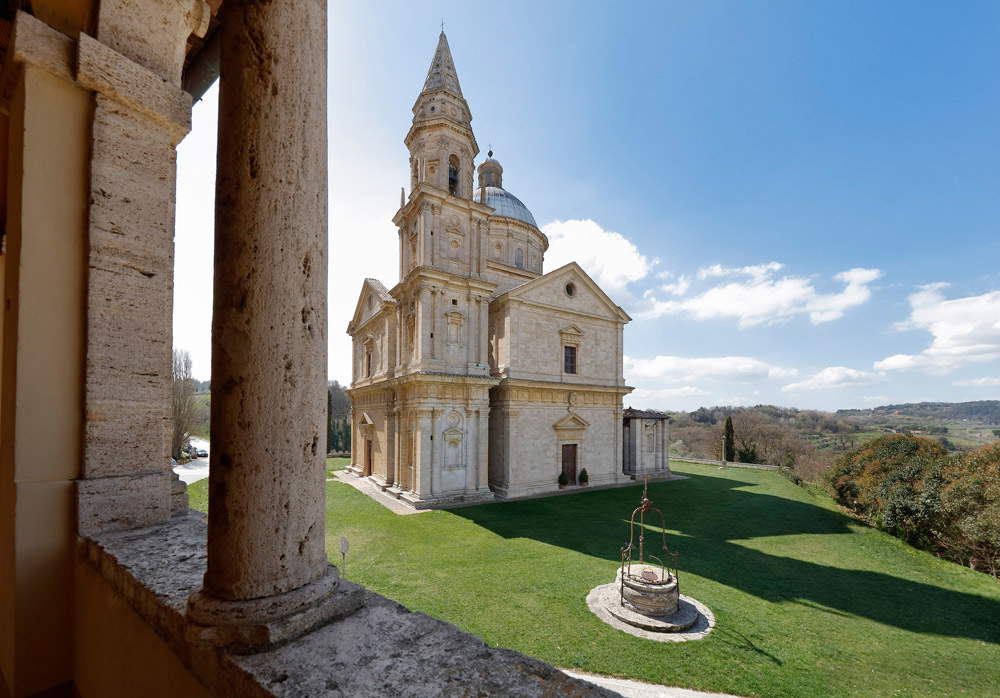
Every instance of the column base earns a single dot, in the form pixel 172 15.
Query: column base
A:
pixel 252 625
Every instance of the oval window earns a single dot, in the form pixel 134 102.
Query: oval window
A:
pixel 570 289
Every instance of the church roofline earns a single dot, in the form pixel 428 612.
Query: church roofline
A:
pixel 379 289
pixel 513 293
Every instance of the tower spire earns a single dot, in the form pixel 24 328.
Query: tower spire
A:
pixel 442 75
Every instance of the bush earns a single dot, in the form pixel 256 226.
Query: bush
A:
pixel 970 503
pixel 912 488
pixel 563 480
pixel 584 477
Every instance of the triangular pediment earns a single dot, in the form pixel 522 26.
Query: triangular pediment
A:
pixel 372 298
pixel 569 287
pixel 571 421
pixel 365 420
pixel 571 330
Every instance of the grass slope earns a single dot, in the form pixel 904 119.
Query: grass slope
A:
pixel 807 600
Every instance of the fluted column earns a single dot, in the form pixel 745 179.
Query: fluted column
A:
pixel 266 556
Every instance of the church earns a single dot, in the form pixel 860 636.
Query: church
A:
pixel 477 376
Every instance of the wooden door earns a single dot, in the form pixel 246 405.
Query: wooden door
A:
pixel 569 462
pixel 368 457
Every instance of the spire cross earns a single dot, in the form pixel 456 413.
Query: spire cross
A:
pixel 442 26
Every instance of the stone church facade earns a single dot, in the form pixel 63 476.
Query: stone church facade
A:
pixel 477 376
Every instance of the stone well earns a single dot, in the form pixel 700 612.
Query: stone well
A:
pixel 645 599
pixel 645 589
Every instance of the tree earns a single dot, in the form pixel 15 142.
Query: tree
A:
pixel 182 405
pixel 730 436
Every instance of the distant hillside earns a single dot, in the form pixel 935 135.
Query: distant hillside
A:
pixel 809 440
pixel 983 411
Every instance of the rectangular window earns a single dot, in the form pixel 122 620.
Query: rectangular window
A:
pixel 569 359
pixel 368 364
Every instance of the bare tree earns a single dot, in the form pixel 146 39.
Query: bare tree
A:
pixel 183 410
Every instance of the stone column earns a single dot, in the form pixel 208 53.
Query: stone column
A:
pixel 471 338
pixel 425 325
pixel 424 465
pixel 268 578
pixel 484 332
pixel 436 312
pixel 433 478
pixel 483 466
pixel 391 443
pixel 426 237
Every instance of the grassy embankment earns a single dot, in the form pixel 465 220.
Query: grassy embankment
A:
pixel 808 601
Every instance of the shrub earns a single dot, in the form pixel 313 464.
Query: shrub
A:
pixel 747 454
pixel 912 488
pixel 584 477
pixel 563 480
pixel 970 502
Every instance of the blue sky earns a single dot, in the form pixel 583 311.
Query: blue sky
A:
pixel 777 192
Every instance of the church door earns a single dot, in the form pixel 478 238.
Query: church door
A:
pixel 569 462
pixel 368 457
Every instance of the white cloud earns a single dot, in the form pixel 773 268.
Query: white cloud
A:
pixel 646 395
pixel 763 299
pixel 964 330
pixel 756 271
pixel 675 288
pixel 609 257
pixel 876 398
pixel 834 377
pixel 679 369
pixel 985 382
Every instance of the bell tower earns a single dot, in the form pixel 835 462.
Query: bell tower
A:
pixel 441 143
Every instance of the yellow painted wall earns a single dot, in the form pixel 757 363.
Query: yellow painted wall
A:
pixel 42 377
pixel 117 653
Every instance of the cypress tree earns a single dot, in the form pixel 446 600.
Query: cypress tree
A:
pixel 730 436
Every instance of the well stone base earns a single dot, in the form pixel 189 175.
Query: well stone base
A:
pixel 692 621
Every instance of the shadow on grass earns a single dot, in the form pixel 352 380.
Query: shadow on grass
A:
pixel 709 513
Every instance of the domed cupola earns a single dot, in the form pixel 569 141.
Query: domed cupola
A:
pixel 502 201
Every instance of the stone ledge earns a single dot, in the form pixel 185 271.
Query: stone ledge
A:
pixel 381 649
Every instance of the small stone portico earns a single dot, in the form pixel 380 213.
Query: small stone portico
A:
pixel 646 444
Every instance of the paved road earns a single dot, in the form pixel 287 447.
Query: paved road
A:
pixel 196 469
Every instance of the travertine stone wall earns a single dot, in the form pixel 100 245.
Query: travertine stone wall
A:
pixel 429 435
pixel 531 325
pixel 530 423
pixel 87 282
pixel 140 113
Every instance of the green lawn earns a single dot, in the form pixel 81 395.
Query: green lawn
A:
pixel 808 602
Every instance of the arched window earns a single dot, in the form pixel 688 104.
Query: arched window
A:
pixel 519 258
pixel 453 175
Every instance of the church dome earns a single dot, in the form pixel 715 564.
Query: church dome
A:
pixel 505 204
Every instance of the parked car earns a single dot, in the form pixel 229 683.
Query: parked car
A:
pixel 202 453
